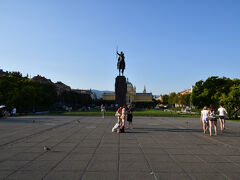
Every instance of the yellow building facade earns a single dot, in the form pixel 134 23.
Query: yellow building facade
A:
pixel 131 96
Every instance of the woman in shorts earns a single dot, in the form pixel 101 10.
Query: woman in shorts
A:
pixel 204 118
pixel 222 117
pixel 129 116
pixel 212 120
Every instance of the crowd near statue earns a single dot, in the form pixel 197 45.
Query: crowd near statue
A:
pixel 123 114
pixel 121 62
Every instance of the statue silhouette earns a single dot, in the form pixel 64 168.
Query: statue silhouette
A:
pixel 121 62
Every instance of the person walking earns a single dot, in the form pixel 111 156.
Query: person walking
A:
pixel 222 117
pixel 103 110
pixel 204 118
pixel 129 116
pixel 14 111
pixel 212 120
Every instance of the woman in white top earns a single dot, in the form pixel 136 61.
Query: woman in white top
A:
pixel 204 118
pixel 222 116
pixel 103 110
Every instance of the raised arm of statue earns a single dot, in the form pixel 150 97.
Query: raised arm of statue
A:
pixel 118 53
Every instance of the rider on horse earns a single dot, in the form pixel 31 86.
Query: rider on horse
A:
pixel 121 62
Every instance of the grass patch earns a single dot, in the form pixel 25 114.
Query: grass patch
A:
pixel 152 112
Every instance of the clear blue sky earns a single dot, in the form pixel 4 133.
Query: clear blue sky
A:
pixel 168 44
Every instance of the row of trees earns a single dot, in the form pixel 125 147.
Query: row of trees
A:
pixel 218 91
pixel 176 98
pixel 29 96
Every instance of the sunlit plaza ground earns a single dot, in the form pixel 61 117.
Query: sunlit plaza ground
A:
pixel 85 148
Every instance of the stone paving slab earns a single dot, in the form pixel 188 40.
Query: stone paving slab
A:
pixel 85 148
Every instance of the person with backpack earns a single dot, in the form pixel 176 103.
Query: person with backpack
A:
pixel 212 120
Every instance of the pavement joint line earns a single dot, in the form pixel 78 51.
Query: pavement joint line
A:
pixel 118 165
pixel 18 140
pixel 30 162
pixel 215 142
pixel 169 155
pixel 198 154
pixel 16 131
pixel 33 145
pixel 189 175
pixel 68 153
pixel 98 145
pixel 147 161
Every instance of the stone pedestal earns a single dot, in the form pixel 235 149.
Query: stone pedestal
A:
pixel 120 90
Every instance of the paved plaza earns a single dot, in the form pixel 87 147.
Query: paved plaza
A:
pixel 85 148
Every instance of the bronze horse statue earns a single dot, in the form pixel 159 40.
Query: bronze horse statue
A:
pixel 121 62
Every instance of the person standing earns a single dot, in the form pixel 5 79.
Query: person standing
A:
pixel 103 110
pixel 119 114
pixel 222 117
pixel 129 116
pixel 204 118
pixel 212 120
pixel 14 111
pixel 123 118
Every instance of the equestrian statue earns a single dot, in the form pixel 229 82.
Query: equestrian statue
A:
pixel 121 63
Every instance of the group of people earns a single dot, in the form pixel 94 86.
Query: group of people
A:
pixel 5 113
pixel 123 114
pixel 209 118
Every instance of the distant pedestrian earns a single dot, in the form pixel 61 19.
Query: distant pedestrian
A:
pixel 103 110
pixel 14 111
pixel 212 120
pixel 204 118
pixel 222 117
pixel 129 116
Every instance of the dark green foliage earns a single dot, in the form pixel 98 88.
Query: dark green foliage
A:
pixel 217 90
pixel 29 96
pixel 74 99
pixel 25 94
pixel 145 105
pixel 165 99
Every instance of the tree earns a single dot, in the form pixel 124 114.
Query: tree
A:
pixel 172 99
pixel 217 90
pixel 165 99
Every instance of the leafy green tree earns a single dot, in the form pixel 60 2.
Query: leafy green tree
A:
pixel 209 92
pixel 172 99
pixel 231 100
pixel 184 99
pixel 165 99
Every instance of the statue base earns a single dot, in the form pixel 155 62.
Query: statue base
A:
pixel 120 90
